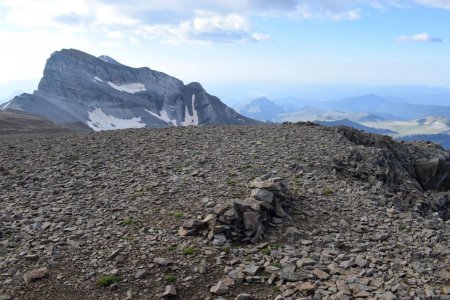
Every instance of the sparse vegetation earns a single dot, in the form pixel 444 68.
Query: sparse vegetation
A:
pixel 404 228
pixel 296 212
pixel 128 238
pixel 178 214
pixel 107 280
pixel 327 192
pixel 130 221
pixel 149 188
pixel 170 279
pixel 231 182
pixel 277 264
pixel 190 251
pixel 171 248
pixel 266 251
pixel 137 194
pixel 276 289
pixel 276 245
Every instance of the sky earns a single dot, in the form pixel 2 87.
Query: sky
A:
pixel 239 43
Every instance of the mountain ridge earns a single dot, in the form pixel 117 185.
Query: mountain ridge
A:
pixel 79 88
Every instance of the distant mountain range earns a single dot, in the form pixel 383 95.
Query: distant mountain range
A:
pixel 89 93
pixel 370 113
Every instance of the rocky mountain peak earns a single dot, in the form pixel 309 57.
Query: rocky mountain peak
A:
pixel 109 60
pixel 102 94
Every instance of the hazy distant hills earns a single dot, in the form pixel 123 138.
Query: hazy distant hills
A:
pixel 389 108
pixel 372 113
pixel 358 126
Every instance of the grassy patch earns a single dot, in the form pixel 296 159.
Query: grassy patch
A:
pixel 137 194
pixel 107 280
pixel 277 265
pixel 178 214
pixel 171 248
pixel 296 212
pixel 404 228
pixel 226 249
pixel 149 188
pixel 276 289
pixel 128 238
pixel 231 182
pixel 276 245
pixel 130 221
pixel 266 251
pixel 327 192
pixel 190 251
pixel 170 279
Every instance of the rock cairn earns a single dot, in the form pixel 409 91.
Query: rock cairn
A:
pixel 244 220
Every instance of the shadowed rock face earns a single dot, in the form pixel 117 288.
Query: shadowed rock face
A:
pixel 105 95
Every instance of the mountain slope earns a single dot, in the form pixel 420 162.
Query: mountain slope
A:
pixel 13 122
pixel 346 122
pixel 78 88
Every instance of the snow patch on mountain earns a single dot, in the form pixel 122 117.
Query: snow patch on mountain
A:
pixel 99 121
pixel 96 78
pixel 5 105
pixel 163 116
pixel 190 119
pixel 130 88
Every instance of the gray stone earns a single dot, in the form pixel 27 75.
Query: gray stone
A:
pixel 114 254
pixel 35 274
pixel 388 296
pixel 293 276
pixel 244 297
pixel 140 274
pixel 361 262
pixel 307 261
pixel 162 261
pixel 170 291
pixel 236 274
pixel 193 224
pixel 219 239
pixel 251 270
pixel 262 195
pixel 251 220
pixel 220 288
pixel 321 274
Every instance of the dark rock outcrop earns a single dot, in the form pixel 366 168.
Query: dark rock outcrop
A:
pixel 426 165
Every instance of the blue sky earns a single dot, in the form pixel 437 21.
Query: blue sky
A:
pixel 218 43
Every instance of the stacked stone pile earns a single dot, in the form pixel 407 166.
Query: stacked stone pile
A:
pixel 245 220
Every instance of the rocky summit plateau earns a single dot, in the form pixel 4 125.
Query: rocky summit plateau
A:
pixel 88 93
pixel 291 211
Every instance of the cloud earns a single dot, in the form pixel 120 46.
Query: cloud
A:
pixel 206 28
pixel 187 21
pixel 418 38
pixel 443 4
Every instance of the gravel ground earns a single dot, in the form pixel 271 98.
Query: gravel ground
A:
pixel 100 213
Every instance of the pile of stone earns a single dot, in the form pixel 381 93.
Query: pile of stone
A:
pixel 245 220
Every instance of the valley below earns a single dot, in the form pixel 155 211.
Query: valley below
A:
pixel 150 213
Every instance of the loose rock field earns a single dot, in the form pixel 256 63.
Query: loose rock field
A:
pixel 118 215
